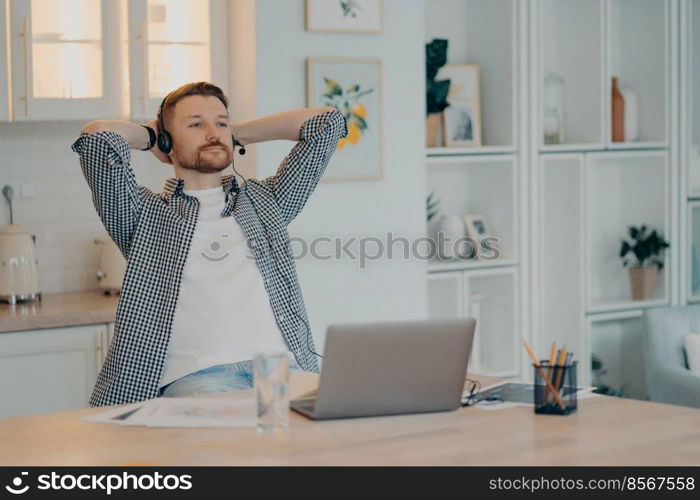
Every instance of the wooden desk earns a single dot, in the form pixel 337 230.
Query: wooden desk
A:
pixel 604 431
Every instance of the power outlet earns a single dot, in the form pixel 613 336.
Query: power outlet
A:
pixel 27 190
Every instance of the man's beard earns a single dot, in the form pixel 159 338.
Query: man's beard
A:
pixel 198 160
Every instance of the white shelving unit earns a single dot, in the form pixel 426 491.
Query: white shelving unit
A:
pixel 486 180
pixel 691 85
pixel 690 149
pixel 491 296
pixel 587 190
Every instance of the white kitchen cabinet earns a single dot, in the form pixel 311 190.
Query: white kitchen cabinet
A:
pixel 173 42
pixel 64 59
pixel 4 89
pixel 49 370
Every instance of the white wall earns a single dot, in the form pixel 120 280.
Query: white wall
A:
pixel 64 220
pixel 338 291
pixel 61 214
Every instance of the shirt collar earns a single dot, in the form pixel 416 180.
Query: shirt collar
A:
pixel 174 186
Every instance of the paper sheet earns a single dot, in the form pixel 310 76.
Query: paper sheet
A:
pixel 183 412
pixel 582 393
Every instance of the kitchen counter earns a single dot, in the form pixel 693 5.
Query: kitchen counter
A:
pixel 56 310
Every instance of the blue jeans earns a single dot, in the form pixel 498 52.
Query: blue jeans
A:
pixel 219 378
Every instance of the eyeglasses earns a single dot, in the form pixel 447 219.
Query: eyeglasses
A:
pixel 472 397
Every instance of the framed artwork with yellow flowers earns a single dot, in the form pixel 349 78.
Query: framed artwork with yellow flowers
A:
pixel 354 87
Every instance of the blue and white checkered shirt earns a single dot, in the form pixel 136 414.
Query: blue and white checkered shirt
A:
pixel 154 232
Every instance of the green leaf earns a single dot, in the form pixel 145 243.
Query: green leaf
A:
pixel 333 87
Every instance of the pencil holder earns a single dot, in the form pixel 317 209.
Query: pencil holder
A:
pixel 563 381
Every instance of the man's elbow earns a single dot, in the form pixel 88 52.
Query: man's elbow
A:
pixel 93 127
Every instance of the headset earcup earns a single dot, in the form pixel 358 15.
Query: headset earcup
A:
pixel 165 142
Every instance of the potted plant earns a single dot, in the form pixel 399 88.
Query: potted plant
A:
pixel 643 255
pixel 436 91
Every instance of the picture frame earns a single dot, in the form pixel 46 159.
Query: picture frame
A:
pixel 478 229
pixel 354 86
pixel 462 124
pixel 464 81
pixel 462 118
pixel 345 16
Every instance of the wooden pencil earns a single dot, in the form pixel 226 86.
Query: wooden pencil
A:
pixel 547 382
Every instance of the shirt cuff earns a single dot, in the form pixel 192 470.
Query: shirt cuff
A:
pixel 116 142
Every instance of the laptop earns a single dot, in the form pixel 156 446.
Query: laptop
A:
pixel 390 368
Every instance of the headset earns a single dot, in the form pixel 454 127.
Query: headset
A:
pixel 165 144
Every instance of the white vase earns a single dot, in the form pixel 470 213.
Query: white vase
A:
pixel 631 115
pixel 453 228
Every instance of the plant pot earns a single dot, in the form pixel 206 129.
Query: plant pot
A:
pixel 643 281
pixel 433 130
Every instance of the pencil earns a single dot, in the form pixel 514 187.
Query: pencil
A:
pixel 560 368
pixel 547 382
pixel 552 353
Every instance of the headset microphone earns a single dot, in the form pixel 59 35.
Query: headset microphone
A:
pixel 241 147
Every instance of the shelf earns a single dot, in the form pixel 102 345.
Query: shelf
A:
pixel 624 304
pixel 571 148
pixel 618 343
pixel 623 189
pixel 571 47
pixel 477 185
pixel 483 32
pixel 438 266
pixel 455 151
pixel 633 146
pixel 615 146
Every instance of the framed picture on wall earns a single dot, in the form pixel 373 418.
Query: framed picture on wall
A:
pixel 344 16
pixel 462 117
pixel 354 87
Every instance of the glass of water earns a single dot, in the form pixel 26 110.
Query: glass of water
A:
pixel 271 379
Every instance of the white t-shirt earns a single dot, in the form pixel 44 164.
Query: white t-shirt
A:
pixel 223 311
